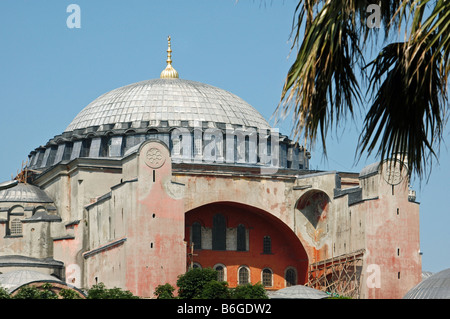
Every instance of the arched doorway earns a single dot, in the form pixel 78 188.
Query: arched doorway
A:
pixel 248 242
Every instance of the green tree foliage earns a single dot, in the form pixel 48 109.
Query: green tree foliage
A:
pixel 216 290
pixel 69 294
pixel 4 294
pixel 32 292
pixel 202 284
pixel 164 292
pixel 43 292
pixel 249 291
pixel 99 291
pixel 191 283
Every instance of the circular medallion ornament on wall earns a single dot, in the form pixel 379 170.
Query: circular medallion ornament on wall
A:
pixel 392 175
pixel 154 158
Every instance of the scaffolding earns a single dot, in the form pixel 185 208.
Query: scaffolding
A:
pixel 338 276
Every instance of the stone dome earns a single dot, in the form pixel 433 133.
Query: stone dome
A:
pixel 436 286
pixel 298 292
pixel 14 191
pixel 173 100
pixel 13 280
pixel 122 118
pixel 119 120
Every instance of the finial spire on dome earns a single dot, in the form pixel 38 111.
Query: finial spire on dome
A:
pixel 169 72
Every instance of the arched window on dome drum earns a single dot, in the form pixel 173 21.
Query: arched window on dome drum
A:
pixel 76 151
pixel 67 151
pixel 52 155
pixel 138 139
pixel 219 147
pixel 60 153
pixel 131 139
pixel 105 145
pixel 263 149
pixel 115 146
pixel 236 149
pixel 198 143
pixel 241 238
pixel 40 157
pixel 85 147
pixel 219 232
pixel 151 134
pixel 291 277
pixel 247 149
pixel 197 235
pixel 213 145
pixel 175 146
pixel 267 277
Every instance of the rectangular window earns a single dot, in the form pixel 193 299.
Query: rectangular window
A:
pixel 197 235
pixel 16 227
pixel 219 232
pixel 241 238
pixel 267 245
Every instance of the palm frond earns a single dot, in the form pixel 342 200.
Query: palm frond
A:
pixel 321 85
pixel 406 117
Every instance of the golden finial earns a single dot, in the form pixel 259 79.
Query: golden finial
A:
pixel 169 72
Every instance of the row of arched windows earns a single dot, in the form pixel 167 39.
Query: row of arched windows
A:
pixel 247 148
pixel 243 275
pixel 16 216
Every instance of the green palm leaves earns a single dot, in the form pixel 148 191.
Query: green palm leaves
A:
pixel 406 81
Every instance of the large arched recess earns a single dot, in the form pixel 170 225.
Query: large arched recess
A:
pixel 285 257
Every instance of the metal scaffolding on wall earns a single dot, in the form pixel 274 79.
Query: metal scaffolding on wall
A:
pixel 339 275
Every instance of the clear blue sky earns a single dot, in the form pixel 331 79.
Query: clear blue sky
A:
pixel 48 73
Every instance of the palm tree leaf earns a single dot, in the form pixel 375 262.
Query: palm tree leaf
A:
pixel 321 85
pixel 406 117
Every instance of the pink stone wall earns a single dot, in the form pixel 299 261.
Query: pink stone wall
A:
pixel 156 253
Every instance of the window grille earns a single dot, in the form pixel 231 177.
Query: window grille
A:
pixel 243 276
pixel 267 245
pixel 16 227
pixel 290 277
pixel 267 277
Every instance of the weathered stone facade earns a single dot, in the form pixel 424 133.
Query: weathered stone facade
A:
pixel 123 201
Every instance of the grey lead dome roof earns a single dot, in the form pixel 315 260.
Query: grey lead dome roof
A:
pixel 20 192
pixel 437 286
pixel 298 292
pixel 172 100
pixel 15 279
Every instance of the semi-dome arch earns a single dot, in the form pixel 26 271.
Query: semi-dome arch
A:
pixel 313 204
pixel 246 247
